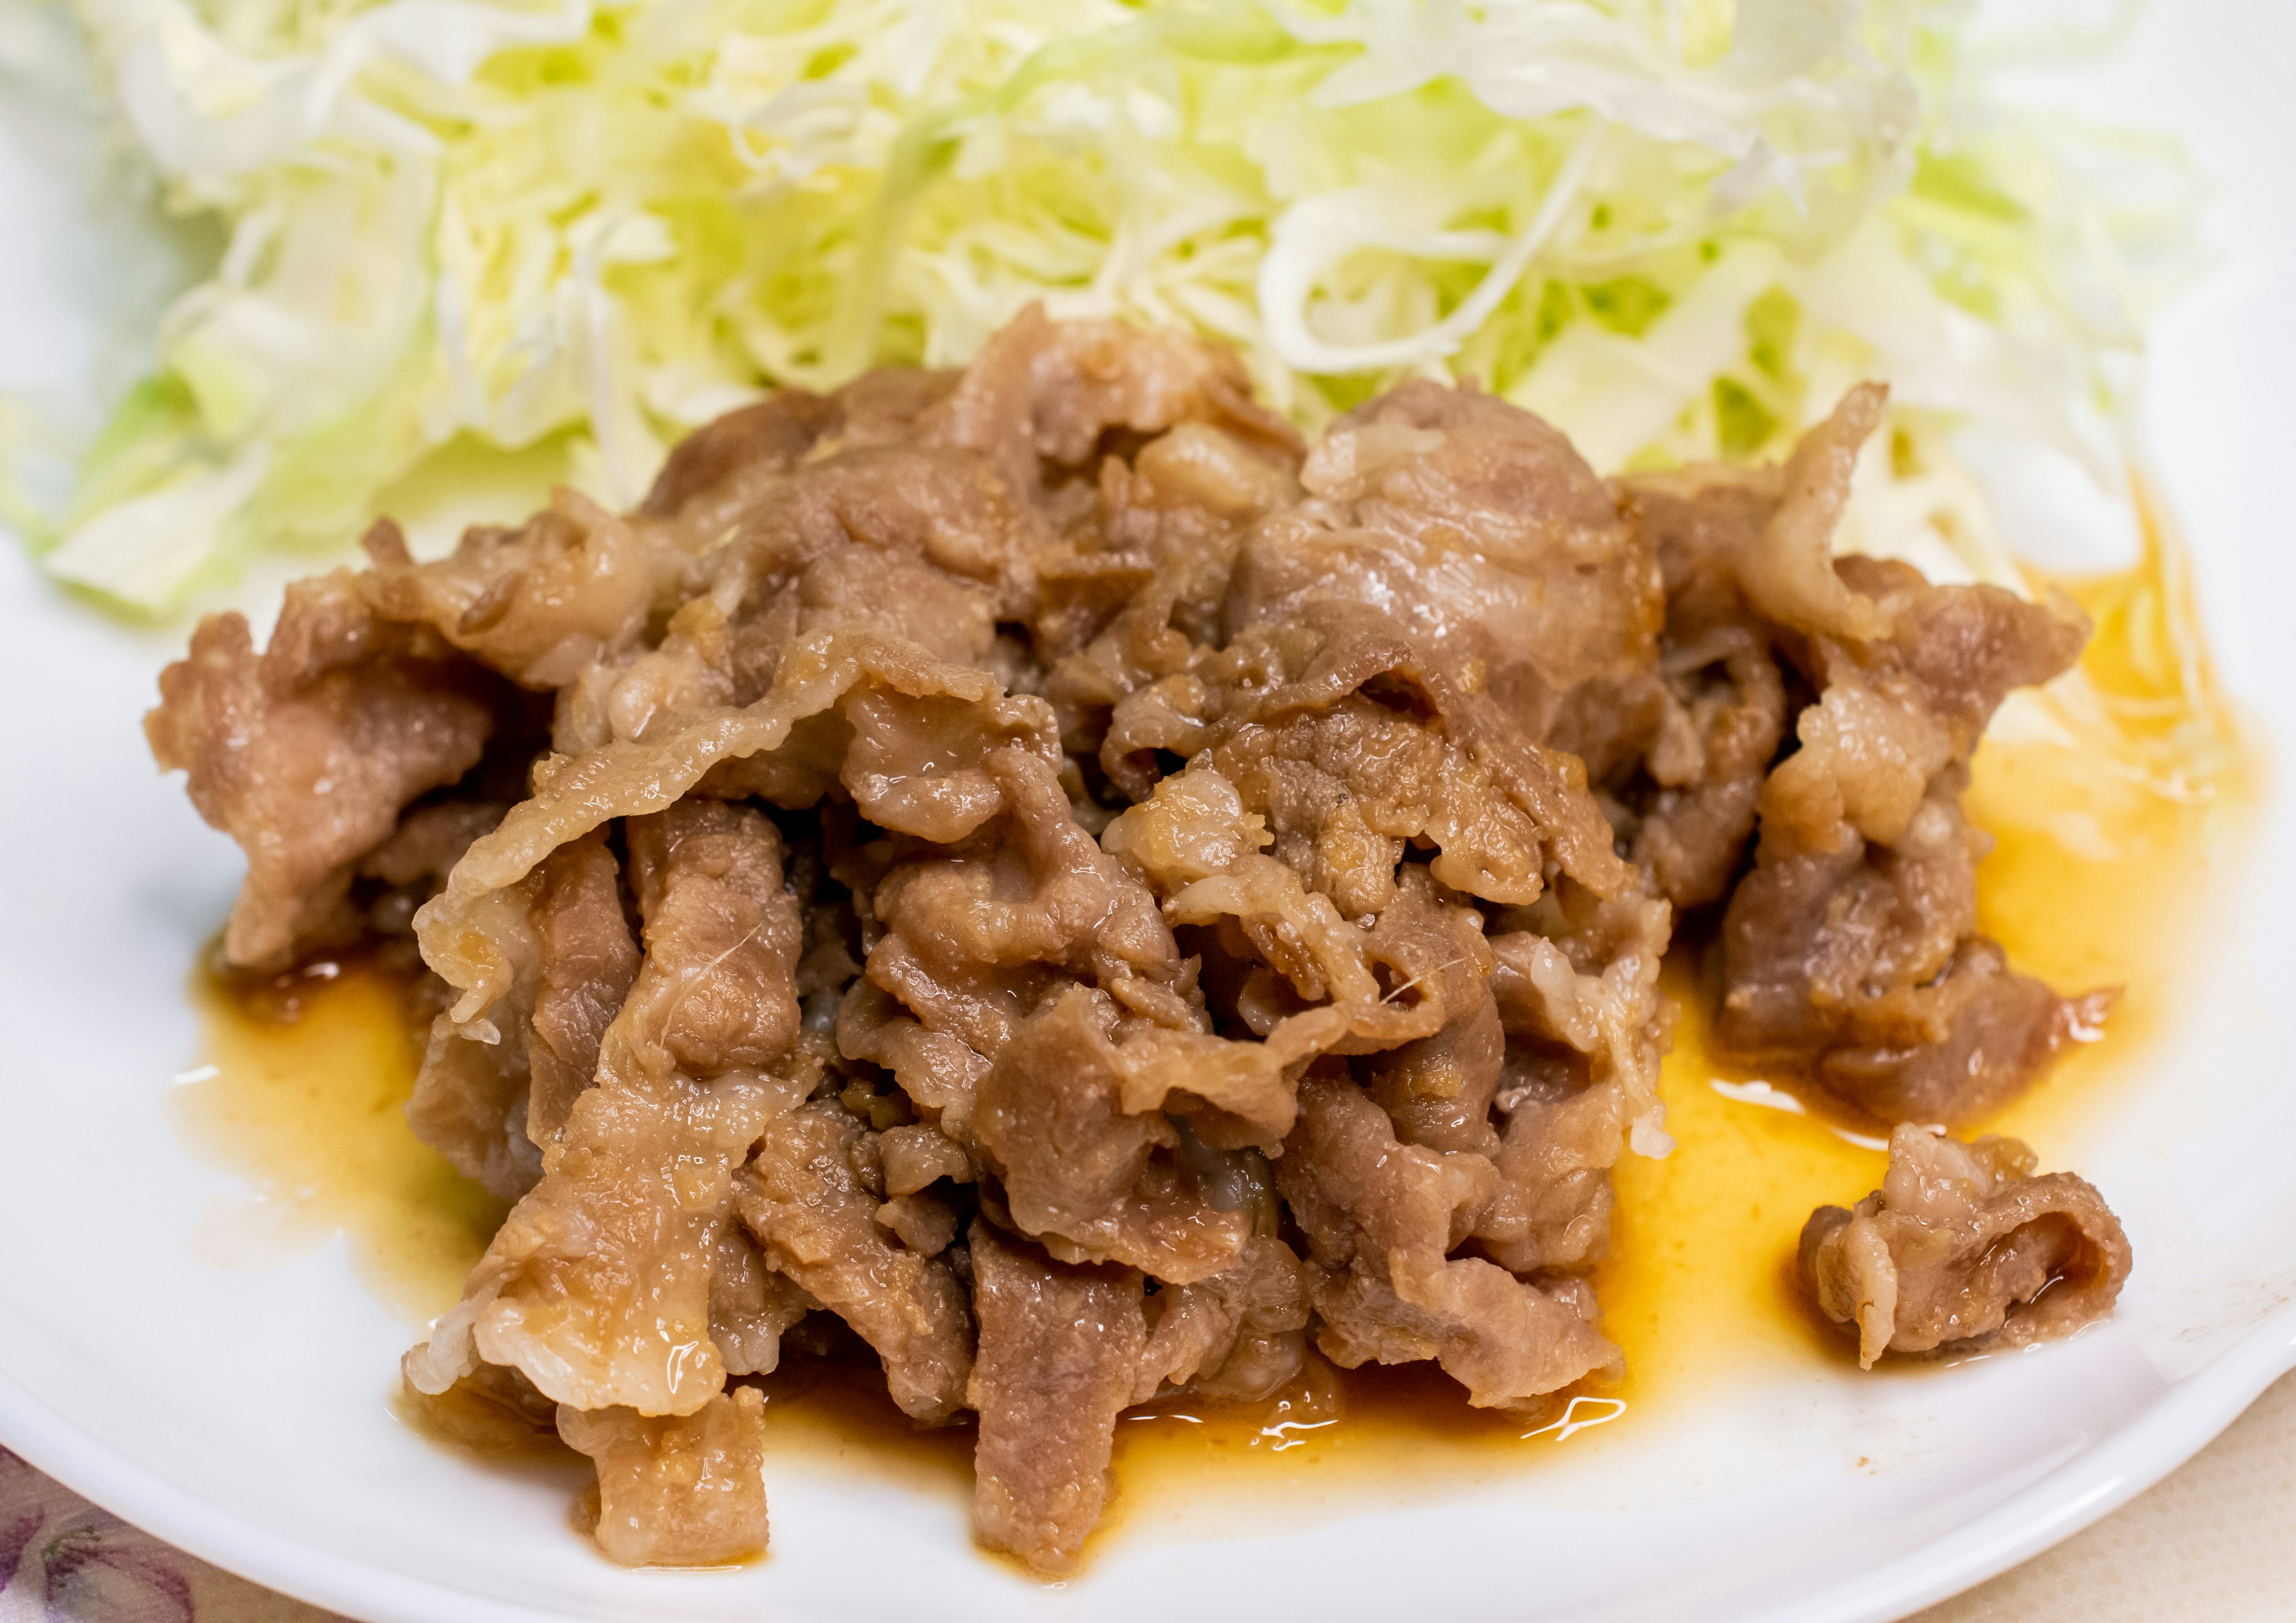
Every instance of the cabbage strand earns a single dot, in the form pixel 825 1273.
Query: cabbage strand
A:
pixel 1679 228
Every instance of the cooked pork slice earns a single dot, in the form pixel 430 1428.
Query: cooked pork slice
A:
pixel 915 1158
pixel 679 1490
pixel 1963 1249
pixel 537 603
pixel 471 1100
pixel 1851 950
pixel 306 753
pixel 492 1101
pixel 811 1197
pixel 1061 1349
pixel 1709 723
pixel 1380 1218
pixel 1480 527
pixel 938 1070
pixel 750 1307
pixel 462 929
pixel 728 459
pixel 492 1410
pixel 1720 719
pixel 726 471
pixel 1437 1091
pixel 1235 1335
pixel 1085 1178
pixel 1042 397
pixel 414 863
pixel 1894 711
pixel 716 993
pixel 1577 994
pixel 1347 738
pixel 588 963
pixel 1863 966
pixel 1124 595
pixel 599 1283
pixel 937 522
pixel 1788 574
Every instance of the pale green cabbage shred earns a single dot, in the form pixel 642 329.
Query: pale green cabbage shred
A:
pixel 1676 228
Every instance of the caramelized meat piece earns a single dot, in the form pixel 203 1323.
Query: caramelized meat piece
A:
pixel 466 934
pixel 492 1410
pixel 1349 742
pixel 716 993
pixel 1577 994
pixel 1477 526
pixel 472 1098
pixel 1864 966
pixel 1705 730
pixel 726 471
pixel 1893 711
pixel 598 1284
pixel 1236 1335
pixel 492 1107
pixel 1787 576
pixel 1380 1218
pixel 1964 1248
pixel 811 1197
pixel 414 863
pixel 588 964
pixel 1060 1350
pixel 1851 950
pixel 750 1307
pixel 306 753
pixel 1090 1180
pixel 682 1491
pixel 756 444
pixel 537 603
pixel 1042 397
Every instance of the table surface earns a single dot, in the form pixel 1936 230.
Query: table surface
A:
pixel 2215 1543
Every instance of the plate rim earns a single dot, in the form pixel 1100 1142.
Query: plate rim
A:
pixel 2176 1421
pixel 2189 1415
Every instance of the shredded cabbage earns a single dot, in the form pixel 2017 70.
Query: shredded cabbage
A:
pixel 1678 228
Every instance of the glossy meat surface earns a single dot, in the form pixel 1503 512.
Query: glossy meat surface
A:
pixel 1964 1248
pixel 1104 900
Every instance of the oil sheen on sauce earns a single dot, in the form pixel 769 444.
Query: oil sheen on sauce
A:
pixel 303 1090
pixel 2110 797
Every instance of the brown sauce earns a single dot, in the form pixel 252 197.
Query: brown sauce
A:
pixel 2118 801
pixel 303 1090
pixel 2111 798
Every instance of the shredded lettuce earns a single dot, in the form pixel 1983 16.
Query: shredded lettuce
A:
pixel 1678 228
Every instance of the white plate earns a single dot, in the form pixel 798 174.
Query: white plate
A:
pixel 242 1413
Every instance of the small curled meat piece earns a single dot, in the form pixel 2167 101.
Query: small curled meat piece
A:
pixel 1237 1335
pixel 1963 1247
pixel 537 603
pixel 1789 574
pixel 1041 395
pixel 307 753
pixel 680 1491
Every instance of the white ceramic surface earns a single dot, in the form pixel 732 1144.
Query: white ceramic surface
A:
pixel 241 1412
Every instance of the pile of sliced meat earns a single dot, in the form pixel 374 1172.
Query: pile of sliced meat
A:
pixel 1103 899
